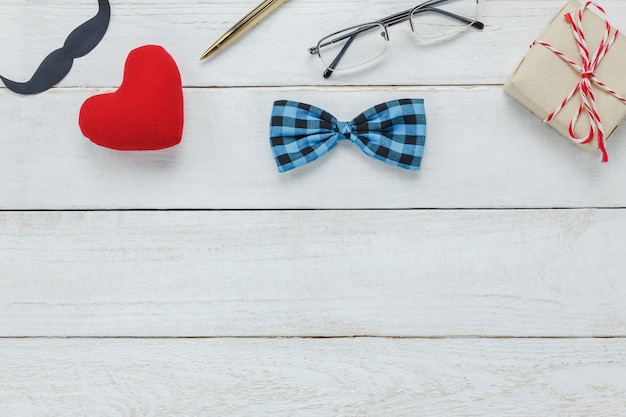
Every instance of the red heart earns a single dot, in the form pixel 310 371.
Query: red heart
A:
pixel 146 112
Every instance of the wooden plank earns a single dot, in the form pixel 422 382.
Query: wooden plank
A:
pixel 483 150
pixel 277 49
pixel 346 377
pixel 313 273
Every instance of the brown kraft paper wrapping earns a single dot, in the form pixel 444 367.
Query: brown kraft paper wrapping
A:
pixel 543 80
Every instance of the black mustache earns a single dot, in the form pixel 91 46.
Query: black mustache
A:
pixel 58 64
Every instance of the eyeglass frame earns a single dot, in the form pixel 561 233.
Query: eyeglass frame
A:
pixel 386 22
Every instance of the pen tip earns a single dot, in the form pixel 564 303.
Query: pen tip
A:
pixel 209 52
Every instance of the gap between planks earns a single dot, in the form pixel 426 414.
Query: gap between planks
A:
pixel 274 210
pixel 252 337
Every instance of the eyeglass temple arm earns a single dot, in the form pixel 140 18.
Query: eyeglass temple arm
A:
pixel 428 6
pixel 406 15
pixel 474 23
pixel 331 67
pixel 315 49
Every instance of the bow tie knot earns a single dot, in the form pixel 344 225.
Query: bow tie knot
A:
pixel 344 130
pixel 393 132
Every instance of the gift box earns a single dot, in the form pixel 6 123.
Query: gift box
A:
pixel 560 81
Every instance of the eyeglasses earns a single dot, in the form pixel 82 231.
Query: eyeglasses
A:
pixel 431 21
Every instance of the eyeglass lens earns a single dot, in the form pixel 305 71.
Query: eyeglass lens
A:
pixel 440 21
pixel 353 47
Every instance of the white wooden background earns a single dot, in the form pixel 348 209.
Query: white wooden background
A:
pixel 198 281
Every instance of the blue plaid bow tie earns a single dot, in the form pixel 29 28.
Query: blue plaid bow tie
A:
pixel 392 132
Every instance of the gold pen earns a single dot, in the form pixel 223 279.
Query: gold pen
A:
pixel 244 24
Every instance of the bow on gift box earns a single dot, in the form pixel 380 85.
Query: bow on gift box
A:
pixel 393 132
pixel 590 63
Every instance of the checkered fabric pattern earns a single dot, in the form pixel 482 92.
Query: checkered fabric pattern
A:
pixel 393 132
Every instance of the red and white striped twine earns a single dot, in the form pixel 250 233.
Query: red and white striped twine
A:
pixel 587 70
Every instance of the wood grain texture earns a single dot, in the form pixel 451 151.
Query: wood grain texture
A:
pixel 347 377
pixel 337 273
pixel 432 254
pixel 276 52
pixel 483 151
